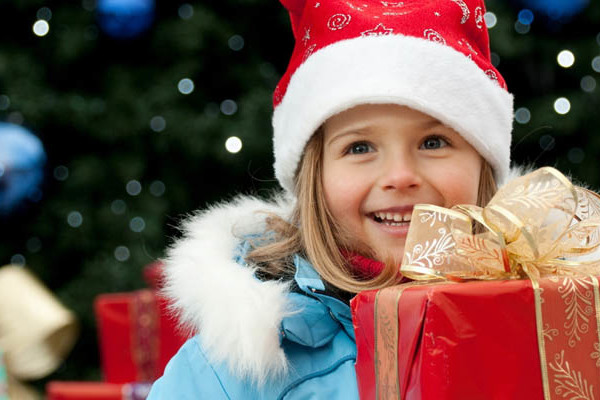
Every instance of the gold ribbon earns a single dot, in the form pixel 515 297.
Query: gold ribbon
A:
pixel 537 225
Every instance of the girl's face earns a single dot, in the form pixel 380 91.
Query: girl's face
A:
pixel 379 160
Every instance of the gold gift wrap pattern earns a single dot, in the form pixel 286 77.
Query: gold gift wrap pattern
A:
pixel 539 227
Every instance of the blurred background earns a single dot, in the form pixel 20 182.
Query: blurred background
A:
pixel 122 116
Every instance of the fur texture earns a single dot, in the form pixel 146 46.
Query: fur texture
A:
pixel 438 81
pixel 238 315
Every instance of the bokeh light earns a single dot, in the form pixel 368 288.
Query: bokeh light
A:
pixel 133 187
pixel 122 253
pixel 185 11
pixel 157 188
pixel 61 173
pixel 565 58
pixel 137 224
pixel 75 219
pixel 588 83
pixel 41 27
pixel 185 86
pixel 229 107
pixel 236 43
pixel 18 259
pixel 596 64
pixel 526 17
pixel 562 105
pixel 118 207
pixel 522 115
pixel 233 144
pixel 490 19
pixel 158 123
pixel 547 142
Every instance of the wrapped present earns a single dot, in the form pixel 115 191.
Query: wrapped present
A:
pixel 504 304
pixel 137 336
pixel 96 391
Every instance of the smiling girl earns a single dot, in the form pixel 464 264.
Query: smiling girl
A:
pixel 384 105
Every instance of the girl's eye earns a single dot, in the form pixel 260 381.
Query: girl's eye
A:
pixel 359 148
pixel 434 142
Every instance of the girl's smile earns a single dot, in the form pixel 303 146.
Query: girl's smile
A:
pixel 379 160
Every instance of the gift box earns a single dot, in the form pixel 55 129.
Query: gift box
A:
pixel 479 340
pixel 137 335
pixel 453 341
pixel 96 391
pixel 505 302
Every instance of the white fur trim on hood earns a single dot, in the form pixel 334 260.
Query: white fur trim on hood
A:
pixel 239 316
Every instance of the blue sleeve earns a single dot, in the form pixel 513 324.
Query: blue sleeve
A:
pixel 188 376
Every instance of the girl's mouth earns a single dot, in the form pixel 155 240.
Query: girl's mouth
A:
pixel 392 219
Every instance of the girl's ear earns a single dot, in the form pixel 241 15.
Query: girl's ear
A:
pixel 295 8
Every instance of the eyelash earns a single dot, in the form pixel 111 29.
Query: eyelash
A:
pixel 438 137
pixel 348 149
pixel 445 140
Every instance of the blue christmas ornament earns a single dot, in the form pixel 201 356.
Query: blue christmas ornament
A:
pixel 556 9
pixel 125 19
pixel 22 160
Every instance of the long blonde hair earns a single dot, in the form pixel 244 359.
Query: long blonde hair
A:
pixel 312 231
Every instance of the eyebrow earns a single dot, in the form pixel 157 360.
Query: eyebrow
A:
pixel 360 130
pixel 348 132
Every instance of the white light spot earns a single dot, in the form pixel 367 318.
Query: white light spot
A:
pixel 137 224
pixel 122 253
pixel 61 173
pixel 41 27
pixel 185 86
pixel 562 105
pixel 133 187
pixel 588 84
pixel 236 43
pixel 490 19
pixel 228 107
pixel 565 59
pixel 118 207
pixel 185 11
pixel 522 115
pixel 596 64
pixel 157 188
pixel 576 155
pixel 233 144
pixel 75 219
pixel 18 259
pixel 158 123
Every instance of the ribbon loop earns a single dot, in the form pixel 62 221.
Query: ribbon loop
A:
pixel 537 225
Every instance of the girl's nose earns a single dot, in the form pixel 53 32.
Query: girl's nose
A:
pixel 400 173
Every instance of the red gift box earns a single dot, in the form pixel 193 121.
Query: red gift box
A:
pixel 478 340
pixel 137 336
pixel 96 391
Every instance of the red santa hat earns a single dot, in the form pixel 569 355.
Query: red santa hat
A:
pixel 430 55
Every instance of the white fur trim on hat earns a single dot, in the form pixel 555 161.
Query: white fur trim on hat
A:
pixel 418 73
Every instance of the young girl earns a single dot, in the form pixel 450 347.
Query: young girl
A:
pixel 384 105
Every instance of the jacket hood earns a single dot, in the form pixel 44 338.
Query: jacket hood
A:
pixel 239 315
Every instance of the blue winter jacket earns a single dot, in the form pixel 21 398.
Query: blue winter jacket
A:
pixel 318 342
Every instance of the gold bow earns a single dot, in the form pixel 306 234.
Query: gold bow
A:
pixel 537 225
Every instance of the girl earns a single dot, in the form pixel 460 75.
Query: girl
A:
pixel 384 105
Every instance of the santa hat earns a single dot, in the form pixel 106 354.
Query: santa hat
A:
pixel 430 55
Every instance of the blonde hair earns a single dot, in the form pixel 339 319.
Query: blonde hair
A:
pixel 314 233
